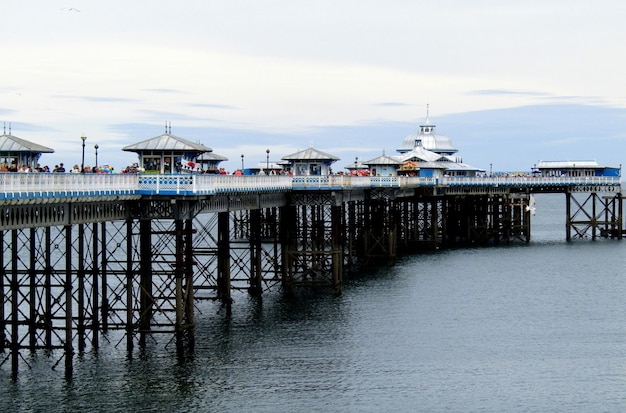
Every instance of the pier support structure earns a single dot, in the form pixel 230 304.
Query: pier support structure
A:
pixel 73 270
pixel 312 242
pixel 593 214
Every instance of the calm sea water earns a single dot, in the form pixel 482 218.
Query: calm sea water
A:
pixel 525 328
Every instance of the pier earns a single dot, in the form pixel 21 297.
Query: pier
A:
pixel 87 253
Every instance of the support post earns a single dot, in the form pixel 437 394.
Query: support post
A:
pixel 32 275
pixel 351 232
pixel 434 221
pixel 104 306
pixel 223 260
pixel 81 288
pixel 48 287
pixel 69 349
pixel 189 285
pixel 336 248
pixel 288 238
pixel 146 299
pixel 594 219
pixel 620 219
pixel 95 273
pixel 568 216
pixel 255 288
pixel 179 271
pixel 15 344
pixel 129 286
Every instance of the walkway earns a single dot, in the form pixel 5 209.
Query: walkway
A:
pixel 38 186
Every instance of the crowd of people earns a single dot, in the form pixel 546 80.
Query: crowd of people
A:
pixel 60 168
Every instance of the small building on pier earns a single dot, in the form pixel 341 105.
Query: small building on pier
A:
pixel 16 153
pixel 209 162
pixel 357 168
pixel 266 168
pixel 311 162
pixel 574 168
pixel 383 165
pixel 170 154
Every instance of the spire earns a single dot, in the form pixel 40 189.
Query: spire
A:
pixel 427 127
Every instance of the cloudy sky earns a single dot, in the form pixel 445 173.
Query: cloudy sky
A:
pixel 511 82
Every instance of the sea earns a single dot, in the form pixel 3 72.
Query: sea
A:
pixel 537 327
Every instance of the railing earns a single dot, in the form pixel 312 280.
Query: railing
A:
pixel 211 184
pixel 51 185
pixel 349 182
pixel 55 185
pixel 532 181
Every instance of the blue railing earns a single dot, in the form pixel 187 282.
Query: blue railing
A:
pixel 21 186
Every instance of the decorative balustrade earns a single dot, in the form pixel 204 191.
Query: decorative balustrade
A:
pixel 530 181
pixel 211 184
pixel 21 186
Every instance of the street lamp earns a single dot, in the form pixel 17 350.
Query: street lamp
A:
pixel 242 163
pixel 82 164
pixel 267 160
pixel 96 148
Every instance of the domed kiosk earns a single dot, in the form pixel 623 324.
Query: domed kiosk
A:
pixel 428 139
pixel 430 154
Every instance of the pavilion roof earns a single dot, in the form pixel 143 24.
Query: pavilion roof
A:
pixel 311 154
pixel 10 143
pixel 167 142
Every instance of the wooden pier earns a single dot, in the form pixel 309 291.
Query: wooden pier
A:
pixel 83 255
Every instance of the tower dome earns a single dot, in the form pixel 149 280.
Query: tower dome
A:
pixel 428 139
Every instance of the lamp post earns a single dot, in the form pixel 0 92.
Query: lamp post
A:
pixel 82 163
pixel 96 148
pixel 267 160
pixel 242 163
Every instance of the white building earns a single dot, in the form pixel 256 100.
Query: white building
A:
pixel 383 165
pixel 430 154
pixel 168 154
pixel 311 162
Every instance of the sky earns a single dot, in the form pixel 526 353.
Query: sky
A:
pixel 510 82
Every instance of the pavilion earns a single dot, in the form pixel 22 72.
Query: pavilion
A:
pixel 16 152
pixel 170 154
pixel 310 162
